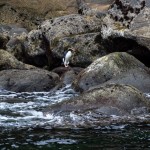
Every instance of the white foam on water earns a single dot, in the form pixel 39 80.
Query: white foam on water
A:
pixel 57 140
pixel 26 108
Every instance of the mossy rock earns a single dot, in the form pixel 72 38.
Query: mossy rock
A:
pixel 110 99
pixel 112 66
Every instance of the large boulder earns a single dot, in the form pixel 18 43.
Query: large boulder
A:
pixel 87 49
pixel 69 25
pixel 127 28
pixel 28 80
pixel 115 65
pixel 72 30
pixel 111 99
pixel 9 32
pixel 35 49
pixel 16 46
pixel 8 61
pixel 29 48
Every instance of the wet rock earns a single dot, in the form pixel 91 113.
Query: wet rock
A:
pixel 61 70
pixel 8 61
pixel 28 80
pixel 111 99
pixel 116 65
pixel 67 76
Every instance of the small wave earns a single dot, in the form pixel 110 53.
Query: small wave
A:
pixel 57 140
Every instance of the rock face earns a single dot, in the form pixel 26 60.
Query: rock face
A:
pixel 115 65
pixel 71 29
pixel 35 49
pixel 31 13
pixel 12 30
pixel 28 80
pixel 111 99
pixel 8 61
pixel 128 28
pixel 87 50
pixel 69 25
pixel 126 10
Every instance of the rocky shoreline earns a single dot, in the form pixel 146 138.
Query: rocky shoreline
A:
pixel 110 67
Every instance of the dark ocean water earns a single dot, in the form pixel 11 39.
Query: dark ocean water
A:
pixel 115 138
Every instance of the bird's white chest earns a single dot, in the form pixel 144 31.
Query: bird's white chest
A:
pixel 68 56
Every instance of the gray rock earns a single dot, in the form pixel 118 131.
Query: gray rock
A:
pixel 28 80
pixel 111 99
pixel 127 28
pixel 8 61
pixel 125 10
pixel 3 40
pixel 87 48
pixel 67 76
pixel 16 46
pixel 29 48
pixel 118 66
pixel 12 30
pixel 69 25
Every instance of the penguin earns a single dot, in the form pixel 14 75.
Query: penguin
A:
pixel 67 56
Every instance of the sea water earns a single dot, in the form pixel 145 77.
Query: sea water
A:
pixel 24 125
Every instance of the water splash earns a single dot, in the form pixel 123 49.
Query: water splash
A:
pixel 25 109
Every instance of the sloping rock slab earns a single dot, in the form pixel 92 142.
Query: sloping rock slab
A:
pixel 111 99
pixel 8 61
pixel 28 80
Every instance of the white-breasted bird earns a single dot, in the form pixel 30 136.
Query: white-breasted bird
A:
pixel 67 56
